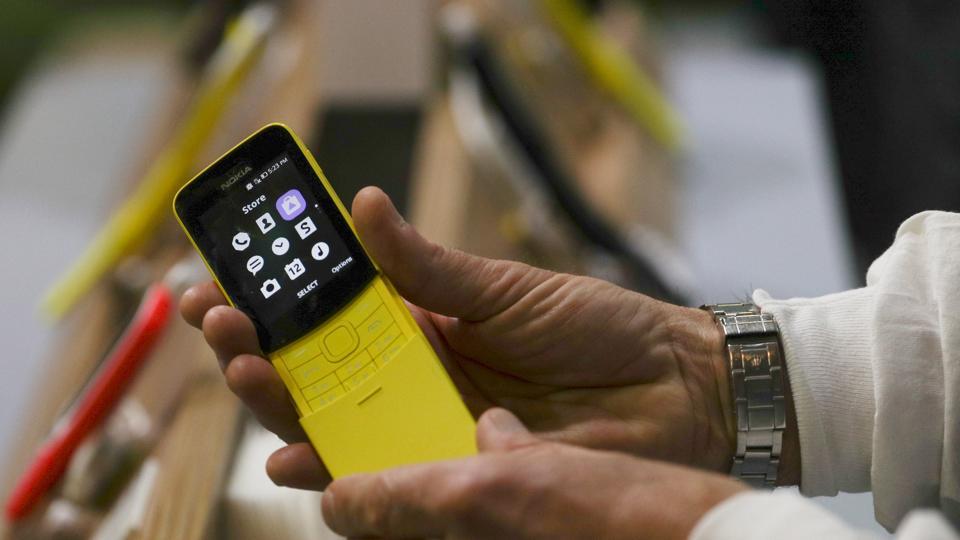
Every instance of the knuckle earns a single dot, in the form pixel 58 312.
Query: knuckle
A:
pixel 379 514
pixel 437 255
pixel 476 488
pixel 237 378
pixel 423 275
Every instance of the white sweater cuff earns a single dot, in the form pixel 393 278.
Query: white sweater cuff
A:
pixel 762 515
pixel 827 345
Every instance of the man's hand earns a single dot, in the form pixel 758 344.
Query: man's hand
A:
pixel 523 487
pixel 579 360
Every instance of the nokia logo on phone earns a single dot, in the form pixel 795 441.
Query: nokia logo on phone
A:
pixel 235 174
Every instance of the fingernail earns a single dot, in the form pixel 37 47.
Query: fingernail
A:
pixel 505 422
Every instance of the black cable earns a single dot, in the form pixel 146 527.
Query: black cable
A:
pixel 530 138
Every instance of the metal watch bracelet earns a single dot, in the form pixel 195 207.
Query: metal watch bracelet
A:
pixel 755 359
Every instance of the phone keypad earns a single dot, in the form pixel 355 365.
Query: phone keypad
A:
pixel 326 366
pixel 308 373
pixel 339 342
pixel 296 357
pixel 327 398
pixel 323 386
pixel 354 380
pixel 386 338
pixel 354 365
pixel 391 352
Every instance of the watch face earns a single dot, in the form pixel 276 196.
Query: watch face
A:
pixel 274 237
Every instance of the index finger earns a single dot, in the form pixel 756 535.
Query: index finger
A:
pixel 413 501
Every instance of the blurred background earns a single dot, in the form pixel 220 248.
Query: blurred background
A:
pixel 690 150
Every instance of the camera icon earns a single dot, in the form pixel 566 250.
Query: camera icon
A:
pixel 269 288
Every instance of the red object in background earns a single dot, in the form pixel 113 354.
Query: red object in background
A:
pixel 96 404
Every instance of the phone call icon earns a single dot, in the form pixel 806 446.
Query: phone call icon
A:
pixel 241 241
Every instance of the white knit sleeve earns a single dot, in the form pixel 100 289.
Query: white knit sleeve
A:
pixel 876 376
pixel 785 515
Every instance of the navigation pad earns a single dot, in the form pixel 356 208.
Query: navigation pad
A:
pixel 326 364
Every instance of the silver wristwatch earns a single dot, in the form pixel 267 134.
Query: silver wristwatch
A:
pixel 755 359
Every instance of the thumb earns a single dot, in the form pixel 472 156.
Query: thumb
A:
pixel 442 280
pixel 500 429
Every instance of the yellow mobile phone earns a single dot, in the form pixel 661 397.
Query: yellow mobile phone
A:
pixel 370 391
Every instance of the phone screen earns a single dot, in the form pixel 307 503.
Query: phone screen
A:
pixel 274 237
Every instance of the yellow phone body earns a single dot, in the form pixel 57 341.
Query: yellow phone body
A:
pixel 370 390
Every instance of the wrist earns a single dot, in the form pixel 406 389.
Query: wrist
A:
pixel 702 348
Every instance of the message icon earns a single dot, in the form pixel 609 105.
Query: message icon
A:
pixel 255 264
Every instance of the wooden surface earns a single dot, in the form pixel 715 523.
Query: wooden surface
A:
pixel 442 175
pixel 194 458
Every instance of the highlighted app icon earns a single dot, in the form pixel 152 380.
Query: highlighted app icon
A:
pixel 291 204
